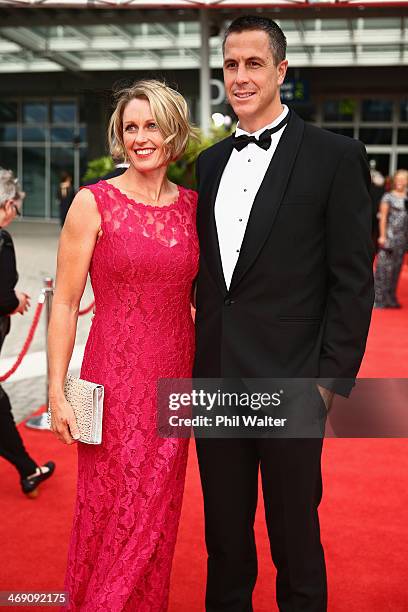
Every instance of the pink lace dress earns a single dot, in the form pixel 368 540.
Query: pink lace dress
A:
pixel 130 487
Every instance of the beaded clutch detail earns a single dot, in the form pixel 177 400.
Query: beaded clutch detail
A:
pixel 86 399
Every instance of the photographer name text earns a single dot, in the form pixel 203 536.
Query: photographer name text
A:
pixel 225 421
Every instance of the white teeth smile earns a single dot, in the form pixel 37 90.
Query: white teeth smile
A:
pixel 244 95
pixel 144 151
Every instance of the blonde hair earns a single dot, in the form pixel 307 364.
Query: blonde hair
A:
pixel 169 110
pixel 10 188
pixel 401 172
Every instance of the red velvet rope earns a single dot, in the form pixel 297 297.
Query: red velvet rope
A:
pixel 86 310
pixel 27 343
pixel 30 337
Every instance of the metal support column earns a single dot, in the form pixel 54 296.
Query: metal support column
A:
pixel 205 85
pixel 41 421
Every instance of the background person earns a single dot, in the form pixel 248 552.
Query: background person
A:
pixel 136 235
pixel 392 242
pixel 12 302
pixel 65 195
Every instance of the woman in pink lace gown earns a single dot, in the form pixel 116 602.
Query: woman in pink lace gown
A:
pixel 140 246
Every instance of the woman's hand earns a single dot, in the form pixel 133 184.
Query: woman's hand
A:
pixel 63 421
pixel 23 303
pixel 381 241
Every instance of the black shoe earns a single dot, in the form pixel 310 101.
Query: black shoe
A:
pixel 43 472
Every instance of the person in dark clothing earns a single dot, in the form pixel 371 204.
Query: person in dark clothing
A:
pixel 284 290
pixel 12 302
pixel 65 195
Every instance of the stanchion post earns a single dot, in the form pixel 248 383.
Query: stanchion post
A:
pixel 48 292
pixel 41 421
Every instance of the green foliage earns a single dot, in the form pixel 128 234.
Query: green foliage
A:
pixel 182 171
pixel 98 167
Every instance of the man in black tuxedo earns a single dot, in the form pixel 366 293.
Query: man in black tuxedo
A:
pixel 284 289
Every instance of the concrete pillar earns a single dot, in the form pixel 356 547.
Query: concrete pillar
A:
pixel 205 86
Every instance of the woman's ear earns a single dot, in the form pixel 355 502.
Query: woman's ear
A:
pixel 8 206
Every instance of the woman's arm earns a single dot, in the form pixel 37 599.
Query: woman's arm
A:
pixel 193 297
pixel 76 247
pixel 384 208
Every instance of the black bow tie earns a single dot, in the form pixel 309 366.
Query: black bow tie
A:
pixel 264 141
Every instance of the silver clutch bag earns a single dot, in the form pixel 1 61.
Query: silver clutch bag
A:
pixel 86 399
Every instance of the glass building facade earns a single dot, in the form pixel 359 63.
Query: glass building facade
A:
pixel 347 73
pixel 380 123
pixel 39 139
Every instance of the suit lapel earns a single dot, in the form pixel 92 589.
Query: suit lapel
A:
pixel 269 197
pixel 209 245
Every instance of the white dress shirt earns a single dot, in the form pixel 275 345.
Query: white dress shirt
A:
pixel 240 182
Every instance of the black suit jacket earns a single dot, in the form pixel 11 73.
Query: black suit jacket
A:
pixel 300 299
pixel 8 280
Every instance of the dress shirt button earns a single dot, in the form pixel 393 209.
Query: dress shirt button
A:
pixel 245 190
pixel 240 220
pixel 249 160
pixel 229 302
pixel 237 250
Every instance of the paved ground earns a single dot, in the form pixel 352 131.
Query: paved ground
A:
pixel 36 248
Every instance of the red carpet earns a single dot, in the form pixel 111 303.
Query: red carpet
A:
pixel 364 515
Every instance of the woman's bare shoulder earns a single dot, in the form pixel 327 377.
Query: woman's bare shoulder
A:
pixel 84 211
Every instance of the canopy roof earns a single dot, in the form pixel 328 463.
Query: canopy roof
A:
pixel 208 4
pixel 53 35
pixel 173 4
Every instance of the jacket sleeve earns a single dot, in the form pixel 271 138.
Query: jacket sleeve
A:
pixel 350 253
pixel 8 275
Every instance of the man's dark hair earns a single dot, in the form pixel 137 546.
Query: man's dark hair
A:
pixel 246 23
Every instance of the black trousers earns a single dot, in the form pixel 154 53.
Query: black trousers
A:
pixel 292 490
pixel 11 445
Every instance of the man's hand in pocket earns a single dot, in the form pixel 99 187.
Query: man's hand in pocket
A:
pixel 327 396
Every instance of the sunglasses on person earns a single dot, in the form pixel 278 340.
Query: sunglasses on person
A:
pixel 16 210
pixel 16 203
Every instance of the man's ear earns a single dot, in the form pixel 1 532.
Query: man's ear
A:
pixel 282 69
